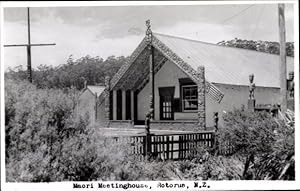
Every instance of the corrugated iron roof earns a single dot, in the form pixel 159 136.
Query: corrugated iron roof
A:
pixel 96 89
pixel 228 65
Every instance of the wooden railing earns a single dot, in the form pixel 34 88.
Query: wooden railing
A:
pixel 179 146
pixel 174 146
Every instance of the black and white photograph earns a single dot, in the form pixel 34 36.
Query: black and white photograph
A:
pixel 173 95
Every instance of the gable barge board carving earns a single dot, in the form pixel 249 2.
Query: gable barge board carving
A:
pixel 142 70
pixel 146 79
pixel 134 72
pixel 168 53
pixel 125 67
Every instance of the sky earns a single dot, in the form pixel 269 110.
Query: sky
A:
pixel 117 30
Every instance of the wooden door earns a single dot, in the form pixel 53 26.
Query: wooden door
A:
pixel 166 96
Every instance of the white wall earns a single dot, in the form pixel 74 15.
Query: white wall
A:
pixel 235 96
pixel 167 76
pixel 86 104
pixel 101 114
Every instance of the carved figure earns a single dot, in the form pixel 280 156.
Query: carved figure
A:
pixel 151 106
pixel 291 84
pixel 149 116
pixel 216 120
pixel 147 120
pixel 147 123
pixel 251 86
pixel 148 32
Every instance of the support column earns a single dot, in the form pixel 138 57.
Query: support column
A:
pixel 151 80
pixel 107 100
pixel 123 105
pixel 132 105
pixel 114 105
pixel 201 98
pixel 150 114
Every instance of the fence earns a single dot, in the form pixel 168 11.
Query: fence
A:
pixel 173 146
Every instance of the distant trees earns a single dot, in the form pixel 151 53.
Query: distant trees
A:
pixel 262 46
pixel 71 74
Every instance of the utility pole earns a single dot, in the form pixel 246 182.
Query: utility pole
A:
pixel 282 64
pixel 28 46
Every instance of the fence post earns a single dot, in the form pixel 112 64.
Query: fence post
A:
pixel 148 146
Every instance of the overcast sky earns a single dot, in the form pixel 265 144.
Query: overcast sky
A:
pixel 104 31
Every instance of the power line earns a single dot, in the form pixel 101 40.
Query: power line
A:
pixel 224 21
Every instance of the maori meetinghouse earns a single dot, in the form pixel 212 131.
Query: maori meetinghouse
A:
pixel 181 84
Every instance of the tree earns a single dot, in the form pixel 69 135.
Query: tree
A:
pixel 73 73
pixel 261 46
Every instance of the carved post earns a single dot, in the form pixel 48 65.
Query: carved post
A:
pixel 150 115
pixel 151 67
pixel 107 100
pixel 151 82
pixel 216 136
pixel 147 124
pixel 201 98
pixel 290 87
pixel 251 99
pixel 216 120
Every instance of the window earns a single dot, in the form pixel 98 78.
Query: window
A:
pixel 189 98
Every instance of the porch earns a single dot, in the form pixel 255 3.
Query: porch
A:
pixel 175 104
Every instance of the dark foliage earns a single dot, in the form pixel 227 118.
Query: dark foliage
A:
pixel 261 46
pixel 46 141
pixel 71 74
pixel 265 143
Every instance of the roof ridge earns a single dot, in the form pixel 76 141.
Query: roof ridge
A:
pixel 199 41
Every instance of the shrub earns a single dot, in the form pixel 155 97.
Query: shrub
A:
pixel 261 140
pixel 249 132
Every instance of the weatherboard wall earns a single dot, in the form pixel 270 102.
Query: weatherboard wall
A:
pixel 235 96
pixel 167 76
